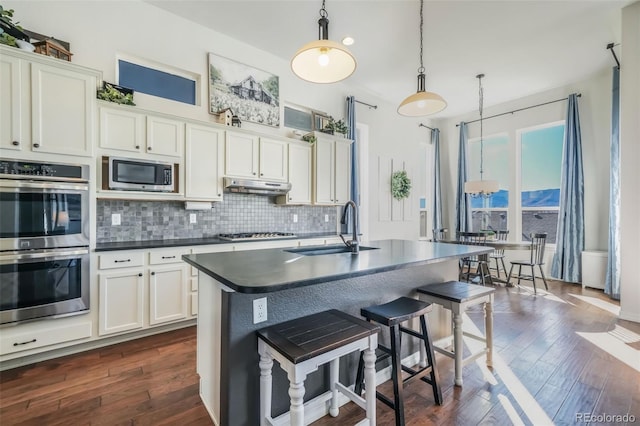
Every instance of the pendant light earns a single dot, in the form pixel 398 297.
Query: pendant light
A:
pixel 323 60
pixel 481 188
pixel 422 102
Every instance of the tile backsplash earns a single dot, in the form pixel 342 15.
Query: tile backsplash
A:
pixel 162 220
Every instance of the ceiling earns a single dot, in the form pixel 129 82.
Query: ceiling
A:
pixel 522 47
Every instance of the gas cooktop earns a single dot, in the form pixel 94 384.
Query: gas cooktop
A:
pixel 244 236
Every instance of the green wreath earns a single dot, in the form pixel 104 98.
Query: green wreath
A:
pixel 400 185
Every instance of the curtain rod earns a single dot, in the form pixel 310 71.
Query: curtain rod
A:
pixel 610 47
pixel 364 103
pixel 424 125
pixel 518 110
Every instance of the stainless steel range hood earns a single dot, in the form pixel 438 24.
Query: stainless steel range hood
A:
pixel 261 187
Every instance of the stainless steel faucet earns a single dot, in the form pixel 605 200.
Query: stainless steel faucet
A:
pixel 353 244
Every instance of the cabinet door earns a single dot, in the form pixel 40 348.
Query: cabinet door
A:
pixel 122 130
pixel 324 171
pixel 121 304
pixel 299 174
pixel 241 155
pixel 273 159
pixel 63 107
pixel 342 172
pixel 167 294
pixel 204 163
pixel 164 136
pixel 10 103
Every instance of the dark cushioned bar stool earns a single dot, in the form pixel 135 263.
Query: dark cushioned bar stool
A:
pixel 301 345
pixel 392 314
pixel 457 297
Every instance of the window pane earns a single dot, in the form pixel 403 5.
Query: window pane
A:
pixel 495 159
pixel 541 165
pixel 539 221
pixel 489 219
pixel 157 83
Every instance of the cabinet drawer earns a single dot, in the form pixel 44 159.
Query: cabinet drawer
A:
pixel 44 337
pixel 161 257
pixel 120 260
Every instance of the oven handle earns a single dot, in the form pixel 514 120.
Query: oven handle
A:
pixel 9 183
pixel 42 254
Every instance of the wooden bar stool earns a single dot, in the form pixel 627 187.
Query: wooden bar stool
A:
pixel 300 346
pixel 457 297
pixel 392 314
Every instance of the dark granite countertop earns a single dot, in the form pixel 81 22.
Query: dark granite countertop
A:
pixel 264 271
pixel 148 244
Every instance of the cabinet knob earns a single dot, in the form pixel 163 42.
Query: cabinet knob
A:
pixel 254 173
pixel 137 146
pixel 290 198
pixel 153 273
pixel 140 274
pixel 148 148
pixel 261 174
pixel 36 145
pixel 15 143
pixel 219 195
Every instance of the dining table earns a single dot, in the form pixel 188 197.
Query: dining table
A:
pixel 498 245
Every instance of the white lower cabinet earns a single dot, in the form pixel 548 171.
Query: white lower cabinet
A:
pixel 167 294
pixel 141 288
pixel 121 304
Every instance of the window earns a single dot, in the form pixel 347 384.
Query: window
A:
pixel 540 174
pixel 297 119
pixel 490 213
pixel 158 80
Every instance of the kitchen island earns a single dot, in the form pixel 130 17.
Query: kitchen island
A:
pixel 298 283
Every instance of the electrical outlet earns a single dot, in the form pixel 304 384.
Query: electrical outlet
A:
pixel 192 218
pixel 259 310
pixel 295 218
pixel 326 218
pixel 115 219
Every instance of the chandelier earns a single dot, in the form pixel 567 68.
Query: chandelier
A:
pixel 481 188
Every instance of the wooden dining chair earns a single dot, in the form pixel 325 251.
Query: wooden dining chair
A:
pixel 440 234
pixel 480 262
pixel 536 258
pixel 498 254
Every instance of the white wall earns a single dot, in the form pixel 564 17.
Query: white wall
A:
pixel 595 110
pixel 630 159
pixel 98 30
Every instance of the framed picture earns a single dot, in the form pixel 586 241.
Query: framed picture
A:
pixel 320 121
pixel 252 94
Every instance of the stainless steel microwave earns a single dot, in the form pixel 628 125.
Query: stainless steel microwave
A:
pixel 129 174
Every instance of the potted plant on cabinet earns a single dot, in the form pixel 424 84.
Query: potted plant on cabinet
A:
pixel 337 127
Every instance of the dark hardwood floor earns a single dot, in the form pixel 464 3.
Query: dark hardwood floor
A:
pixel 557 354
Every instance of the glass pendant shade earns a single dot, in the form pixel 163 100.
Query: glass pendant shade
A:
pixel 481 187
pixel 323 61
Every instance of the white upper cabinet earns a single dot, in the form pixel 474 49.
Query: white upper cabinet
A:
pixel 132 131
pixel 47 105
pixel 273 159
pixel 242 153
pixel 122 130
pixel 164 136
pixel 299 160
pixel 250 156
pixel 331 170
pixel 204 163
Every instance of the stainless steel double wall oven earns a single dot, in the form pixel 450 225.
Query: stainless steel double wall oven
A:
pixel 44 240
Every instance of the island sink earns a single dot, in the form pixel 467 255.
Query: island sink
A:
pixel 334 249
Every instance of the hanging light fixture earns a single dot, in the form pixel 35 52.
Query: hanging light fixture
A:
pixel 484 188
pixel 422 102
pixel 323 60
